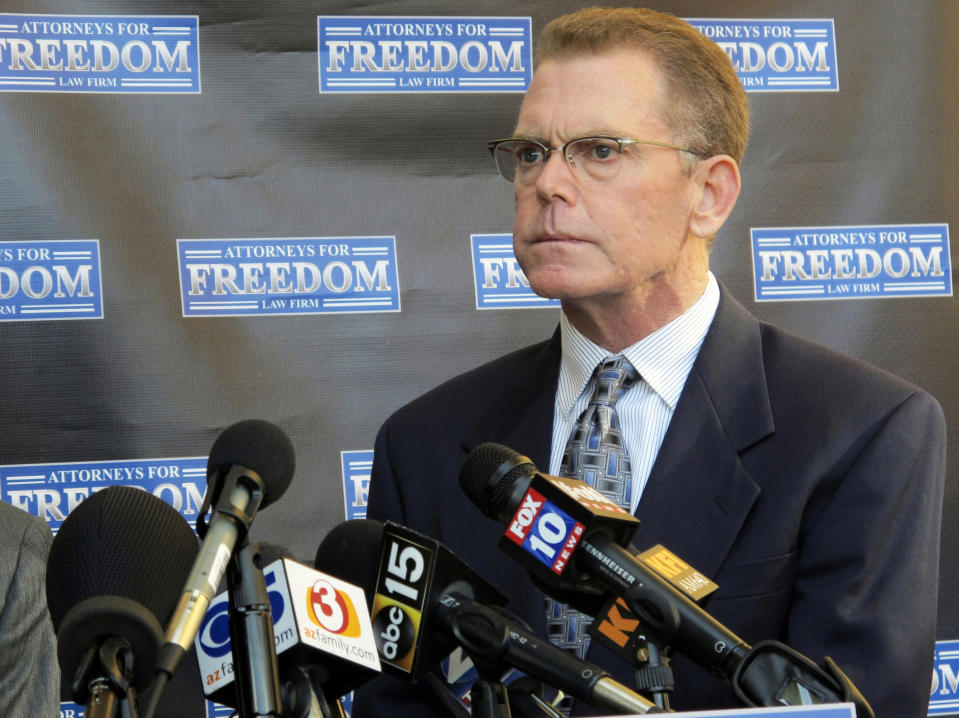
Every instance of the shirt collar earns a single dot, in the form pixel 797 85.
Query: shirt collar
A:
pixel 663 359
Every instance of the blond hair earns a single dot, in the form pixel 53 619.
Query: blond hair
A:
pixel 705 102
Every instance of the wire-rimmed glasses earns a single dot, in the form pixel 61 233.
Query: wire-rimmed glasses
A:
pixel 590 158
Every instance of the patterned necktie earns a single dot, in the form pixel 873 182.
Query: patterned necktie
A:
pixel 596 454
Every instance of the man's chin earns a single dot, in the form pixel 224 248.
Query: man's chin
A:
pixel 563 281
pixel 561 290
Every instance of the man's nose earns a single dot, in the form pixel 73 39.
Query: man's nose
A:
pixel 556 178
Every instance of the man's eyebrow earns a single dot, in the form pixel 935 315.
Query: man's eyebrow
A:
pixel 579 135
pixel 528 136
pixel 606 132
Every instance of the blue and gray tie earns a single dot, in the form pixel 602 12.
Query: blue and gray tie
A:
pixel 595 454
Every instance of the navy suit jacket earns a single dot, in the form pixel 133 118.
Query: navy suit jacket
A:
pixel 808 485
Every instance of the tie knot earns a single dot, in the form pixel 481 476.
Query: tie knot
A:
pixel 613 377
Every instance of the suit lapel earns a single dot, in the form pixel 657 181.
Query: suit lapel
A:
pixel 699 493
pixel 521 417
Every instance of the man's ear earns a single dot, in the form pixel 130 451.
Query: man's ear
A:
pixel 719 184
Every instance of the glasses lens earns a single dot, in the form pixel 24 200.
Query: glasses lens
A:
pixel 590 158
pixel 596 158
pixel 519 160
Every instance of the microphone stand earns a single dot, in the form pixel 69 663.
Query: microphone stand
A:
pixel 655 678
pixel 304 696
pixel 255 663
pixel 107 671
pixel 488 698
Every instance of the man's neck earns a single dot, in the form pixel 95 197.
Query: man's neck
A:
pixel 615 323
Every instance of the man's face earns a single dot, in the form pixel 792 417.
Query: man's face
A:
pixel 583 241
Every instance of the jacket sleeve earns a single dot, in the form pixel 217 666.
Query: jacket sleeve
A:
pixel 866 589
pixel 29 671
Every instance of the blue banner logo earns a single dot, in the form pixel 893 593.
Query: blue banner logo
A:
pixel 944 696
pixel 424 54
pixel 861 262
pixel 52 491
pixel 356 467
pixel 58 279
pixel 499 281
pixel 99 53
pixel 777 55
pixel 314 275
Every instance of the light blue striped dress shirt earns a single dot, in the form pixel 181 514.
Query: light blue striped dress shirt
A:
pixel 663 360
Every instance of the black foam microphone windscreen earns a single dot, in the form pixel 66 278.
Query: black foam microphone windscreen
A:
pixel 257 445
pixel 119 559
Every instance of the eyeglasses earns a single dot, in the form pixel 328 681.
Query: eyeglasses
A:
pixel 590 158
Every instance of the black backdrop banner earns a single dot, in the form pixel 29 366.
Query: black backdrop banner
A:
pixel 215 211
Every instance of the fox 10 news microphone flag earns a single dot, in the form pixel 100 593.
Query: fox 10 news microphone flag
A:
pixel 250 466
pixel 426 600
pixel 546 518
pixel 570 539
pixel 324 640
pixel 113 577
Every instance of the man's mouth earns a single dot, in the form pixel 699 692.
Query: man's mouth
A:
pixel 554 237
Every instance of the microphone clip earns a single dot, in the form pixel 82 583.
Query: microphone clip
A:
pixel 237 494
pixel 104 678
pixel 773 674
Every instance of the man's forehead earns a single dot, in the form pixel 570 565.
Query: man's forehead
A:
pixel 593 94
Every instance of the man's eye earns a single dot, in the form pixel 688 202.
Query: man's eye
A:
pixel 529 154
pixel 597 150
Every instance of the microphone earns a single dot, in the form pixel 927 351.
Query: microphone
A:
pixel 324 640
pixel 425 600
pixel 113 574
pixel 546 518
pixel 546 514
pixel 403 574
pixel 550 515
pixel 250 466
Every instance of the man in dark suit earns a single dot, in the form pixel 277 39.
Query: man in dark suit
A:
pixel 808 485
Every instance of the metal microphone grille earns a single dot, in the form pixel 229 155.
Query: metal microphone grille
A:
pixel 489 473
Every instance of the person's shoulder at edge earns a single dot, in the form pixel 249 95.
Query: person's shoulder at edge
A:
pixel 31 531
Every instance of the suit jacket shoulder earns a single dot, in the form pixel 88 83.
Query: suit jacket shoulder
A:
pixel 490 393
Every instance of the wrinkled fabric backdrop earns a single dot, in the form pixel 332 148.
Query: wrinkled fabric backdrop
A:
pixel 261 153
